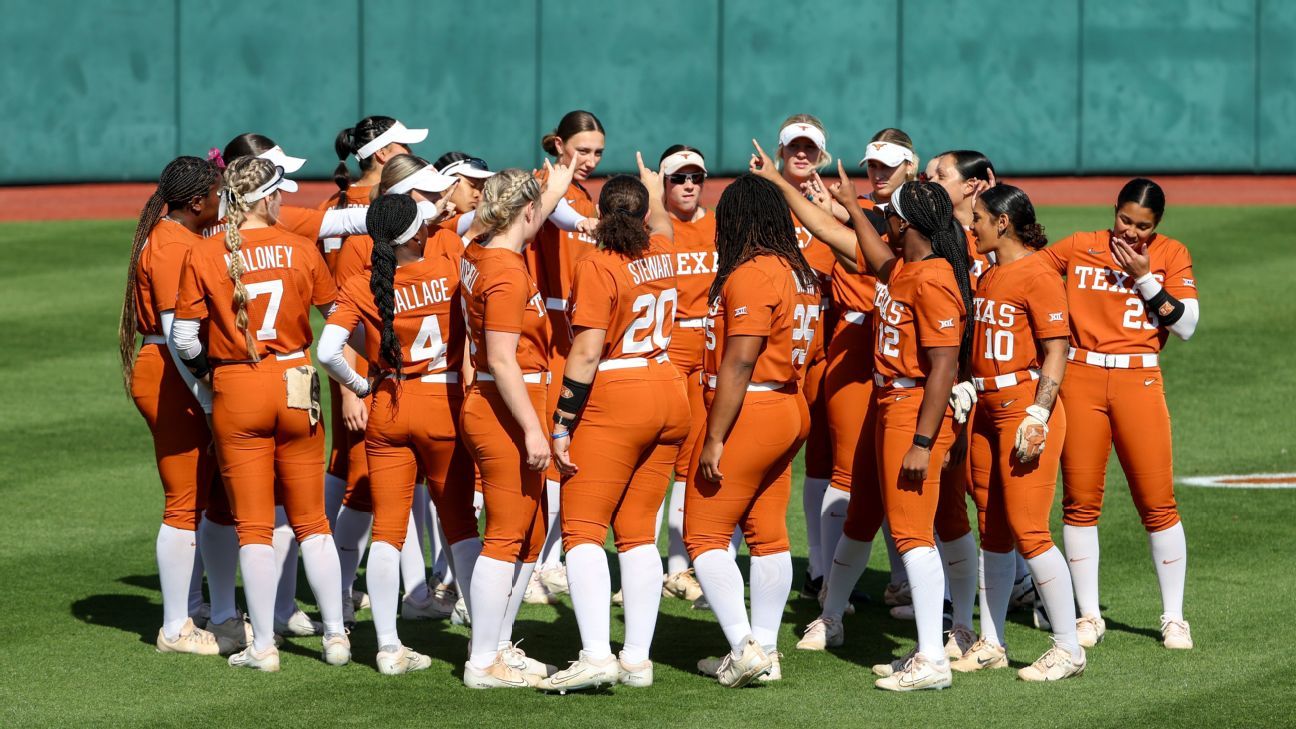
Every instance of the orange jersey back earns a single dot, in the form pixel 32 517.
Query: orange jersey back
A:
pixel 695 264
pixel 157 273
pixel 357 196
pixel 498 294
pixel 284 276
pixel 553 255
pixel 305 222
pixel 920 308
pixel 763 298
pixel 1107 313
pixel 356 257
pixel 634 300
pixel 1016 305
pixel 428 320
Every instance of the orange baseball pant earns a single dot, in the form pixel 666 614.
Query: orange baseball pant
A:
pixel 956 484
pixel 818 445
pixel 686 346
pixel 267 451
pixel 180 436
pixel 513 494
pixel 413 432
pixel 757 468
pixel 910 506
pixel 347 450
pixel 848 385
pixel 1013 499
pixel 624 447
pixel 1125 407
pixel 864 510
pixel 560 335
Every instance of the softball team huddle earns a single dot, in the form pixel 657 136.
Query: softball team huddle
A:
pixel 500 343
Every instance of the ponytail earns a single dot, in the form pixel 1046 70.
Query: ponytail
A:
pixel 242 176
pixel 1016 204
pixel 348 143
pixel 387 218
pixel 623 202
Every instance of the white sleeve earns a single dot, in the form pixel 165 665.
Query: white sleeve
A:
pixel 1148 287
pixel 341 223
pixel 565 216
pixel 186 330
pixel 465 222
pixel 330 357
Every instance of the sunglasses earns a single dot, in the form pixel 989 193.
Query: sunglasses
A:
pixel 680 178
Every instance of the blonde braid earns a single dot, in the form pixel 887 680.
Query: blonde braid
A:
pixel 503 197
pixel 242 176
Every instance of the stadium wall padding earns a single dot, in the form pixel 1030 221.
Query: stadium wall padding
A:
pixel 113 90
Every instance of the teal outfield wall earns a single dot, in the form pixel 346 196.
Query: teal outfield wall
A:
pixel 112 89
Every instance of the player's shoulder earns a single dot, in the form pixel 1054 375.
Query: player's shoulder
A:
pixel 1169 247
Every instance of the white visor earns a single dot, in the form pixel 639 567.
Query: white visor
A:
pixel 276 155
pixel 891 155
pixel 425 180
pixel 466 168
pixel 895 202
pixel 397 134
pixel 801 129
pixel 680 160
pixel 278 182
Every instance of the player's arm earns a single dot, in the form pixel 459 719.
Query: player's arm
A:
pixel 1032 432
pixel 1178 315
pixel 578 380
pixel 331 352
pixel 659 219
pixel 200 388
pixel 501 360
pixel 940 380
pixel 740 355
pixel 818 221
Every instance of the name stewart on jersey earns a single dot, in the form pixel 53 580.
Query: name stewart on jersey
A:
pixel 651 268
pixel 422 294
pixel 263 258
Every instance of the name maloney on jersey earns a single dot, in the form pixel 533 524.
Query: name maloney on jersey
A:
pixel 262 258
pixel 651 268
pixel 421 294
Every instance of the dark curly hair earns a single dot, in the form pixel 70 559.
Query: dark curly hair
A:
pixel 623 203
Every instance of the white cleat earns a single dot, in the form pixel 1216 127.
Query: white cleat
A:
pixel 554 580
pixel 982 654
pixel 402 660
pixel 1056 664
pixel 775 673
pixel 536 593
pixel 460 615
pixel 337 649
pixel 517 658
pixel 823 596
pixel 618 599
pixel 232 636
pixel 887 669
pixel 821 634
pixel 1040 615
pixel 635 675
pixel 498 675
pixel 299 626
pixel 738 672
pixel 583 673
pixel 960 641
pixel 917 675
pixel 1090 630
pixel 683 585
pixel 1175 634
pixel 895 595
pixel 902 612
pixel 267 660
pixel 190 639
pixel 429 608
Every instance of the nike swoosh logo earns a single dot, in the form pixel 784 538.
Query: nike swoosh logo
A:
pixel 839 516
pixel 1006 403
pixel 1092 252
pixel 957 561
pixel 570 678
pixel 1148 381
pixel 1077 559
pixel 839 564
pixel 1045 582
pixel 1171 561
pixel 347 549
pixel 907 684
pixel 984 661
pixel 900 397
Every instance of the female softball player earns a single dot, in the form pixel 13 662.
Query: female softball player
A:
pixel 1129 288
pixel 253 286
pixel 762 326
pixel 409 307
pixel 619 424
pixel 175 405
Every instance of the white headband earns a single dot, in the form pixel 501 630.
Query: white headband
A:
pixel 426 179
pixel 466 168
pixel 397 134
pixel 410 232
pixel 895 202
pixel 680 160
pixel 801 129
pixel 889 154
pixel 277 182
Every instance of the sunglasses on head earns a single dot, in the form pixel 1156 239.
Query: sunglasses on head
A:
pixel 680 178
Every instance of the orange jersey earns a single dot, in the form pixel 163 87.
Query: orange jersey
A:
pixel 428 318
pixel 356 256
pixel 284 276
pixel 634 300
pixel 553 255
pixel 357 196
pixel 762 297
pixel 920 308
pixel 855 291
pixel 1016 305
pixel 1107 313
pixel 305 222
pixel 816 252
pixel 157 273
pixel 695 264
pixel 500 295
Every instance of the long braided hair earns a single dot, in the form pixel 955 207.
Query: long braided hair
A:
pixel 242 176
pixel 752 219
pixel 503 197
pixel 348 142
pixel 388 217
pixel 183 179
pixel 928 208
pixel 623 203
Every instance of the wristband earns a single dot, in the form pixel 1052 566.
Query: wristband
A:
pixel 573 396
pixel 560 436
pixel 564 422
pixel 1039 412
pixel 198 366
pixel 922 441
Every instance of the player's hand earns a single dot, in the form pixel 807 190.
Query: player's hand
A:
pixel 914 466
pixel 586 227
pixel 562 455
pixel 561 174
pixel 537 450
pixel 709 463
pixel 816 193
pixel 1032 434
pixel 445 209
pixel 761 165
pixel 962 397
pixel 355 411
pixel 1133 260
pixel 843 190
pixel 957 452
pixel 651 179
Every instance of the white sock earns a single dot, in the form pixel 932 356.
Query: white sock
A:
pixel 771 583
pixel 677 559
pixel 551 552
pixel 413 569
pixel 997 570
pixel 812 496
pixel 491 585
pixel 899 575
pixel 520 579
pixel 722 584
pixel 1170 555
pixel 351 536
pixel 176 550
pixel 220 547
pixel 832 519
pixel 1053 582
pixel 848 563
pixel 464 554
pixel 383 579
pixel 334 491
pixel 735 542
pixel 320 556
pixel 960 557
pixel 927 583
pixel 285 547
pixel 591 595
pixel 196 578
pixel 257 562
pixel 641 588
pixel 1081 545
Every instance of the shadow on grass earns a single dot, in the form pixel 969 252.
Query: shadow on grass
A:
pixel 129 613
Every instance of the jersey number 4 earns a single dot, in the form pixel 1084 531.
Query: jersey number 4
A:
pixel 429 345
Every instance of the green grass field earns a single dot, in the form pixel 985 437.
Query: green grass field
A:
pixel 82 503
